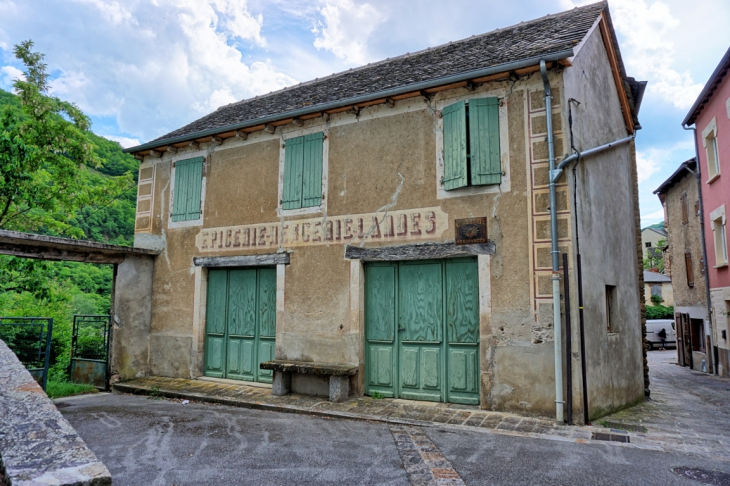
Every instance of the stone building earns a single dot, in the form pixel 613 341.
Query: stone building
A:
pixel 317 224
pixel 710 116
pixel 679 196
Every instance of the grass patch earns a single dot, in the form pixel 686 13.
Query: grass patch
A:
pixel 58 389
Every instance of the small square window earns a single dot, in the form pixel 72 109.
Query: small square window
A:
pixel 648 244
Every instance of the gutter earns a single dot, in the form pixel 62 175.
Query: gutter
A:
pixel 698 178
pixel 557 321
pixel 455 78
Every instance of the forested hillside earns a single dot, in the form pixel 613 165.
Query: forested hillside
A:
pixel 62 289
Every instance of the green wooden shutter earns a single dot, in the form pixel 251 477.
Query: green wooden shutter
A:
pixel 293 171
pixel 486 164
pixel 312 174
pixel 455 146
pixel 188 189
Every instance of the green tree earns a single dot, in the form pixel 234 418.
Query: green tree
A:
pixel 48 159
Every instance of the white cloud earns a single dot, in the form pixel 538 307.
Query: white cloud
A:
pixel 151 66
pixel 655 159
pixel 111 11
pixel 9 75
pixel 648 47
pixel 346 29
pixel 651 218
pixel 123 141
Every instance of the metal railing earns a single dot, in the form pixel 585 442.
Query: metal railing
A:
pixel 30 339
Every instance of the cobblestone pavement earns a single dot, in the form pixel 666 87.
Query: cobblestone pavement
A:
pixel 689 411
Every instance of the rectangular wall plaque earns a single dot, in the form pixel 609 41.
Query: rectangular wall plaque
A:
pixel 470 231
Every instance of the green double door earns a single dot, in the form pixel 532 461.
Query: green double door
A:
pixel 422 330
pixel 240 325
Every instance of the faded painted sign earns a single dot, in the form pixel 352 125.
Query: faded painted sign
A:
pixel 393 226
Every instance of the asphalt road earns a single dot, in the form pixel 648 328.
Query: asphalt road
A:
pixel 146 441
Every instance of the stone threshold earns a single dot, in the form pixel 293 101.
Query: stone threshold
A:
pixel 226 381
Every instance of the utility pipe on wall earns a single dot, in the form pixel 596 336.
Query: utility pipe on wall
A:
pixel 698 178
pixel 557 321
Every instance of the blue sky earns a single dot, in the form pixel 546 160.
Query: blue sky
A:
pixel 143 68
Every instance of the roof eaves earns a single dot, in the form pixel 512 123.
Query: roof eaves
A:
pixel 455 78
pixel 717 75
pixel 672 179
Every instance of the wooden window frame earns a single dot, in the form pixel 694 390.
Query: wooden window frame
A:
pixel 504 146
pixel 709 141
pixel 286 137
pixel 173 183
pixel 476 148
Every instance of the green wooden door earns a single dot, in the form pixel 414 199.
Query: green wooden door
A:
pixel 240 323
pixel 422 330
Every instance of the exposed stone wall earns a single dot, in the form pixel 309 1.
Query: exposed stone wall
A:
pixel 685 237
pixel 37 445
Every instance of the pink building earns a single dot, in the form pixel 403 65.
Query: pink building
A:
pixel 710 116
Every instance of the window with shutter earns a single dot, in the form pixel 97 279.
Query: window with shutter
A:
pixel 471 144
pixel 455 174
pixel 486 164
pixel 303 172
pixel 685 208
pixel 688 268
pixel 187 193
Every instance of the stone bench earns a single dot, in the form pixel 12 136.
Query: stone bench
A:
pixel 339 376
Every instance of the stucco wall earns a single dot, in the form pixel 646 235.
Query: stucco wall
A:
pixel 131 318
pixel 608 236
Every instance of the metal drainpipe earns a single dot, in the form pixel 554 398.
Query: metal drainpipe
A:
pixel 557 321
pixel 698 177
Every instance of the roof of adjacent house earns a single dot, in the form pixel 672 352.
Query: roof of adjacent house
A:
pixel 709 89
pixel 550 38
pixel 656 230
pixel 678 174
pixel 653 277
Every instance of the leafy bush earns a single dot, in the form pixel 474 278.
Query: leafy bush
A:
pixel 659 312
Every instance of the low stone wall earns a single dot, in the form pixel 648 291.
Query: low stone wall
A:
pixel 37 445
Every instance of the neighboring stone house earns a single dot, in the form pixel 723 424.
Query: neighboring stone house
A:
pixel 317 224
pixel 679 196
pixel 658 285
pixel 710 116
